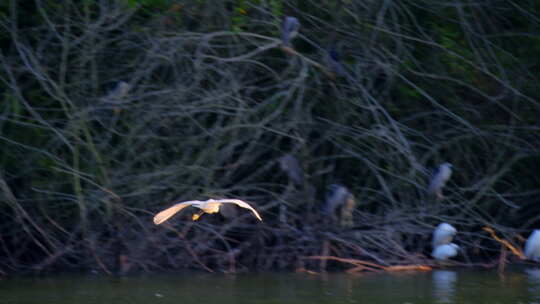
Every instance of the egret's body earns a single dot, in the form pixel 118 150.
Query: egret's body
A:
pixel 339 197
pixel 334 62
pixel 117 95
pixel 209 206
pixel 443 234
pixel 532 246
pixel 289 29
pixel 438 180
pixel 445 251
pixel 290 165
pixel 336 197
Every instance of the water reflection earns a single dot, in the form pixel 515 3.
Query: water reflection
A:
pixel 444 282
pixel 533 283
pixel 439 286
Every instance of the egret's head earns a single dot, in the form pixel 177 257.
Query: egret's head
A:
pixel 447 165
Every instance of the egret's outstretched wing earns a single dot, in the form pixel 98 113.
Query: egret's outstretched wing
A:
pixel 241 204
pixel 167 213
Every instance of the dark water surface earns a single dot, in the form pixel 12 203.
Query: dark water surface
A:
pixel 439 286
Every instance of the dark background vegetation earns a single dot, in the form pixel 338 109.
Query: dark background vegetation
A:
pixel 214 103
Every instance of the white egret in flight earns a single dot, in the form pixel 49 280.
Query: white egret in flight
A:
pixel 209 206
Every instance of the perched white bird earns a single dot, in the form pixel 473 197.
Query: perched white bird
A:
pixel 443 234
pixel 439 178
pixel 445 251
pixel 289 29
pixel 117 95
pixel 339 197
pixel 532 246
pixel 336 196
pixel 210 206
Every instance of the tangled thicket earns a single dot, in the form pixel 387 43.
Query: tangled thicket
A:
pixel 111 110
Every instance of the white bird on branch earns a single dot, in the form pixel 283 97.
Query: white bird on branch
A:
pixel 209 206
pixel 443 234
pixel 289 29
pixel 532 246
pixel 438 180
